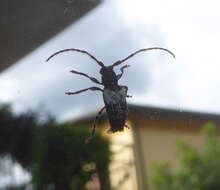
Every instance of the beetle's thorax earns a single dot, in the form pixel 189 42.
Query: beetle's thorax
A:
pixel 116 95
pixel 109 78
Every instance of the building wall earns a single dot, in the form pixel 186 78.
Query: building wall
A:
pixel 160 144
pixel 122 167
pixel 149 140
pixel 156 140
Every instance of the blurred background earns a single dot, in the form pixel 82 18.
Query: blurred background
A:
pixel 172 98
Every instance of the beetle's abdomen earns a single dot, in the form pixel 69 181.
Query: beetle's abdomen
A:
pixel 116 107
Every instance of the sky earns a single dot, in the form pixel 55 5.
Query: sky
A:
pixel 112 31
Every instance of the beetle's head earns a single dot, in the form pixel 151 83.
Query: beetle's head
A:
pixel 106 70
pixel 108 76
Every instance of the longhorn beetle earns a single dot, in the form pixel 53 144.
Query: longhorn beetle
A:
pixel 114 95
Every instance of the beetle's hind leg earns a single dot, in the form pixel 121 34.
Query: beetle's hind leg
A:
pixel 128 127
pixel 83 90
pixel 122 71
pixel 87 76
pixel 94 124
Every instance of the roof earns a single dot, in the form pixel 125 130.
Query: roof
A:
pixel 155 113
pixel 26 24
pixel 168 112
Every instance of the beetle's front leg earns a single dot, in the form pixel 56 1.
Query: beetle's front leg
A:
pixel 85 75
pixel 83 90
pixel 94 124
pixel 122 71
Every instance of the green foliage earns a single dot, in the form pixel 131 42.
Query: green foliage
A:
pixel 200 170
pixel 16 134
pixel 55 154
pixel 64 160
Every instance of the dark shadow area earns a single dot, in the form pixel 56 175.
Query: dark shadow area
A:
pixel 26 24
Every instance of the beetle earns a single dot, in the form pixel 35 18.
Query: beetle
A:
pixel 114 95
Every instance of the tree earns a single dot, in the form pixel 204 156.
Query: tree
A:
pixel 63 160
pixel 199 170
pixel 17 134
pixel 55 154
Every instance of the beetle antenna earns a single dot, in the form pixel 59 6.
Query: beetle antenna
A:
pixel 146 49
pixel 77 50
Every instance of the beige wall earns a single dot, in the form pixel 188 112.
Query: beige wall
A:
pixel 123 174
pixel 157 140
pixel 122 168
pixel 149 140
pixel 160 144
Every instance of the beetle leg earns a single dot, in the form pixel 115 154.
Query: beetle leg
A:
pixel 122 71
pixel 94 124
pixel 85 75
pixel 128 96
pixel 127 126
pixel 83 90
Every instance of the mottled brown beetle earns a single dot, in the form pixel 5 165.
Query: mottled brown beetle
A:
pixel 114 95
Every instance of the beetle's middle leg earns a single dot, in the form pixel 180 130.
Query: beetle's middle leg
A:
pixel 127 96
pixel 83 90
pixel 87 76
pixel 122 71
pixel 94 124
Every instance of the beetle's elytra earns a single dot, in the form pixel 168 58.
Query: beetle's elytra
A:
pixel 114 95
